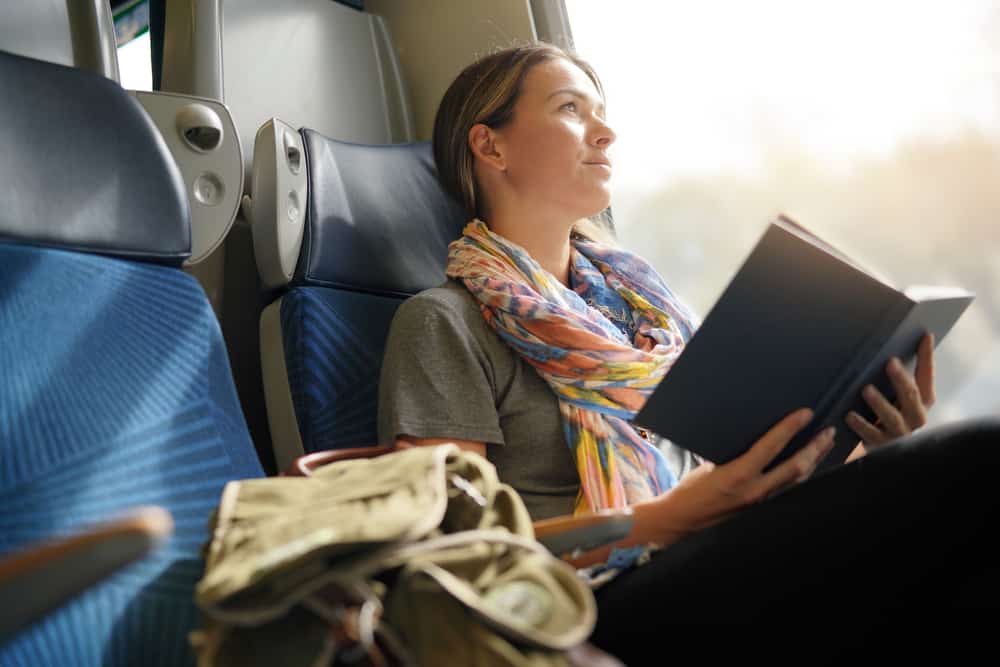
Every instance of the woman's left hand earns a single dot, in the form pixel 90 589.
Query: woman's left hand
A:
pixel 914 397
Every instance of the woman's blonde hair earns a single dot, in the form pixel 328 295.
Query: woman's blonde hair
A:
pixel 486 92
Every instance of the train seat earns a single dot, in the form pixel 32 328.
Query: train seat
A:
pixel 376 230
pixel 261 58
pixel 116 389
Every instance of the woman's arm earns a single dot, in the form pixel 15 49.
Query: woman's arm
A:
pixel 709 493
pixel 406 441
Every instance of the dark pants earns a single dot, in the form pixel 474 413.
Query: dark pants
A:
pixel 879 555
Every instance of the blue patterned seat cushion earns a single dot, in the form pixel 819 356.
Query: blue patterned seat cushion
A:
pixel 115 392
pixel 333 341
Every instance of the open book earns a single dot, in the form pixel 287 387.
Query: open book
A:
pixel 800 325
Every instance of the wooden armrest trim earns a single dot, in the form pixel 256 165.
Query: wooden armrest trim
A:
pixel 151 523
pixel 304 466
pixel 44 576
pixel 561 524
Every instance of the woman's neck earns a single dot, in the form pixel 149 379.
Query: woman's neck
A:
pixel 547 241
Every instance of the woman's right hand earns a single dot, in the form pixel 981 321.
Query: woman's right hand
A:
pixel 710 493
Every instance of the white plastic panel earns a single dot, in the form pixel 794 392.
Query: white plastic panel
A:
pixel 202 137
pixel 37 30
pixel 552 22
pixel 285 434
pixel 436 39
pixel 312 63
pixel 75 33
pixel 192 48
pixel 276 205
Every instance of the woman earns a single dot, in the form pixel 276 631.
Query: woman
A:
pixel 544 337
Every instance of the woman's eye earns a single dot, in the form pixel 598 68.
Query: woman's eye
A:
pixel 569 106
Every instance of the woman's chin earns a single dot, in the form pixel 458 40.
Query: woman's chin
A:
pixel 598 204
pixel 587 202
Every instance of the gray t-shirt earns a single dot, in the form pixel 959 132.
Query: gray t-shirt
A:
pixel 446 374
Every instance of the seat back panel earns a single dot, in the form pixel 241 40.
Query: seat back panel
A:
pixel 115 392
pixel 333 342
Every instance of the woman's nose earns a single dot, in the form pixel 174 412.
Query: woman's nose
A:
pixel 603 136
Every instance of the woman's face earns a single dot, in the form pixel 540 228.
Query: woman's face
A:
pixel 556 145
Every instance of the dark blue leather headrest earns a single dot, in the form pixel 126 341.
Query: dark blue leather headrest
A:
pixel 83 167
pixel 378 220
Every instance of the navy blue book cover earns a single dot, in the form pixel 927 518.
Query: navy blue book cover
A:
pixel 799 325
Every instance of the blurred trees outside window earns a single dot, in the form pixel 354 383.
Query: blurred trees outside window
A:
pixel 874 123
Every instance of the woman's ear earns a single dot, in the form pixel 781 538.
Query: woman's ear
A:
pixel 484 144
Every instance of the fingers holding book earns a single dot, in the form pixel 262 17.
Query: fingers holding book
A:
pixel 925 370
pixel 800 466
pixel 710 492
pixel 914 397
pixel 752 466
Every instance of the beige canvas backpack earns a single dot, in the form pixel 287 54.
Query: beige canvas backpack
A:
pixel 416 557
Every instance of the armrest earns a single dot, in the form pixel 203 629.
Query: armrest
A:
pixel 304 466
pixel 40 578
pixel 563 535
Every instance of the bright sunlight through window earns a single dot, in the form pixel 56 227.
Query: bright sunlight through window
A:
pixel 134 68
pixel 876 123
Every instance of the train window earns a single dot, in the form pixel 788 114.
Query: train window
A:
pixel 134 69
pixel 875 124
pixel 131 19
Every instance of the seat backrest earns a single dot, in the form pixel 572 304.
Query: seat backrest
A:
pixel 115 388
pixel 200 133
pixel 324 64
pixel 377 230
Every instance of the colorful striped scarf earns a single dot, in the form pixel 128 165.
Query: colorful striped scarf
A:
pixel 602 347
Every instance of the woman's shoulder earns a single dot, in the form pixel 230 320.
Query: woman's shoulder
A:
pixel 449 300
pixel 451 294
pixel 446 317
